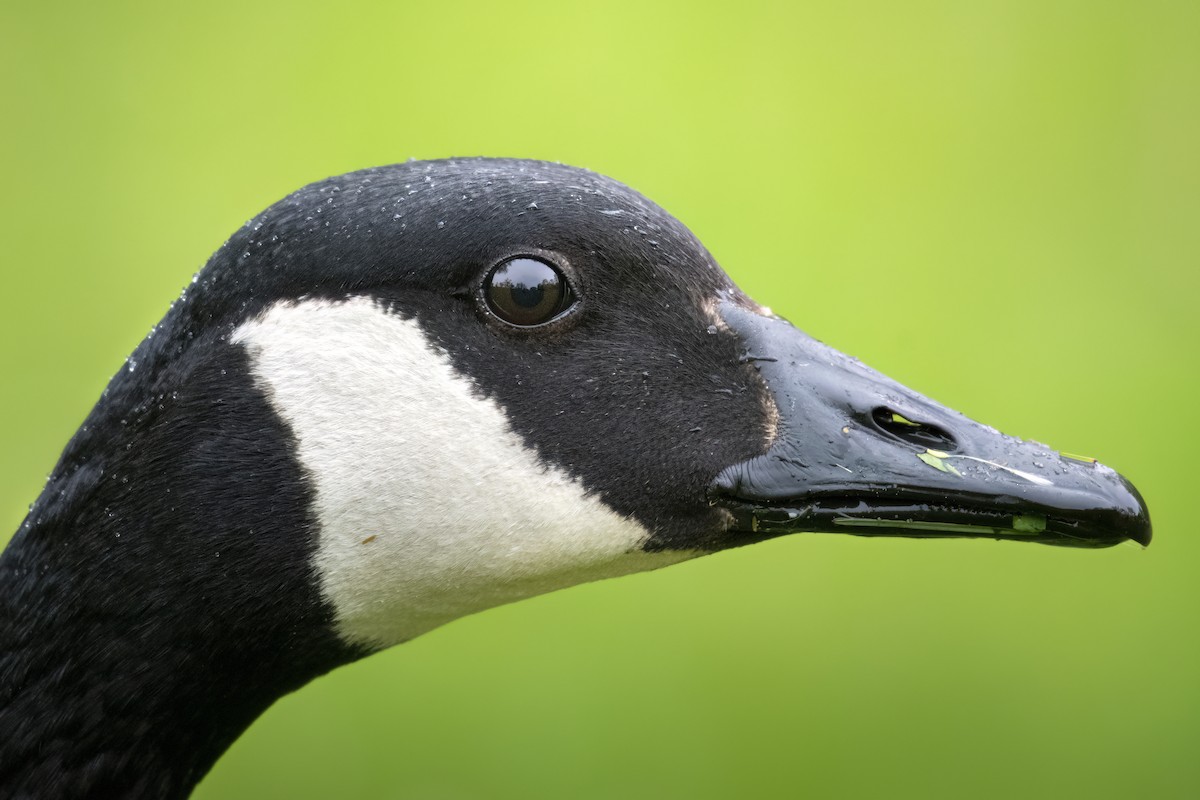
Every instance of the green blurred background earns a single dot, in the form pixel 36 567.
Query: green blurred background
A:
pixel 997 203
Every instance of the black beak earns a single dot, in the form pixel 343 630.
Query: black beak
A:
pixel 856 452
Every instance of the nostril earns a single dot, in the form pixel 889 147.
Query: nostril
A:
pixel 921 434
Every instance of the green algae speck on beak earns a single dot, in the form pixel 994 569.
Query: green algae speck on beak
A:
pixel 1029 523
pixel 936 459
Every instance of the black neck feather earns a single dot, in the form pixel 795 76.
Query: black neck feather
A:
pixel 160 596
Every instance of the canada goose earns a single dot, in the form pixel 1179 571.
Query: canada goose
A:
pixel 407 394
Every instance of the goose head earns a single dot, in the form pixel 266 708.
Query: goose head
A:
pixel 407 394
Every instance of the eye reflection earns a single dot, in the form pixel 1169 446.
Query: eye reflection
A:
pixel 526 292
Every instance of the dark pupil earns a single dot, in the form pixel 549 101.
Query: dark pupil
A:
pixel 528 296
pixel 526 291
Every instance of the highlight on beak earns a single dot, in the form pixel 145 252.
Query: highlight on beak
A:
pixel 858 453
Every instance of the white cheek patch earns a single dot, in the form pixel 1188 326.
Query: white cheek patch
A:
pixel 430 506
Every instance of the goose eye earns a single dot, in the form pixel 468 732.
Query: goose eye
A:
pixel 526 292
